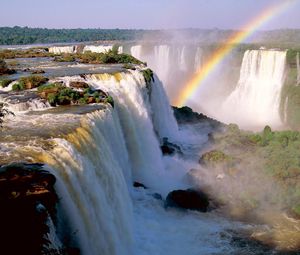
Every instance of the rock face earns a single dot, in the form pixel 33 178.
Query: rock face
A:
pixel 27 199
pixel 185 115
pixel 79 85
pixel 168 148
pixel 188 199
pixel 4 69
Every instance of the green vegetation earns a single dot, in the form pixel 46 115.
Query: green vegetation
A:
pixel 58 94
pixel 148 75
pixel 4 83
pixel 32 81
pixel 64 58
pixel 29 82
pixel 30 53
pixel 290 95
pixel 24 35
pixel 18 86
pixel 271 156
pixel 110 57
pixel 215 157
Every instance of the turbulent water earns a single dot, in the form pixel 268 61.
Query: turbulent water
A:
pixel 256 98
pixel 96 153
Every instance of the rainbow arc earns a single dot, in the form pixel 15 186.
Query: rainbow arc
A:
pixel 217 57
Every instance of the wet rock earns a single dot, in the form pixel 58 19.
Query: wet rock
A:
pixel 139 185
pixel 185 115
pixel 27 199
pixel 157 196
pixel 38 71
pixel 169 148
pixel 4 69
pixel 79 85
pixel 188 199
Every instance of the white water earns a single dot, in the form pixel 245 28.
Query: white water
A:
pixel 97 49
pixel 134 109
pixel 62 49
pixel 97 163
pixel 298 68
pixel 163 118
pixel 256 99
pixel 92 169
pixel 172 63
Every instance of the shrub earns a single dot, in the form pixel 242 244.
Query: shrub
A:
pixel 50 86
pixel 148 75
pixel 4 83
pixel 52 99
pixel 33 81
pixel 82 101
pixel 18 86
pixel 110 101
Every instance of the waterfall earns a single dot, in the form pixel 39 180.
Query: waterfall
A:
pixel 92 166
pixel 256 98
pixel 198 59
pixel 62 49
pixel 136 51
pixel 98 48
pixel 134 108
pixel 162 57
pixel 182 59
pixel 174 64
pixel 298 68
pixel 96 157
pixel 163 117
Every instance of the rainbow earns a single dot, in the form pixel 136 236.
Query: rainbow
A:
pixel 190 88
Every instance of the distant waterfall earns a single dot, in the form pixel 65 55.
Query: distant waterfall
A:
pixel 162 58
pixel 136 51
pixel 62 49
pixel 298 68
pixel 174 64
pixel 256 98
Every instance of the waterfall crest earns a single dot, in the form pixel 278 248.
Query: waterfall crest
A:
pixel 135 110
pixel 92 167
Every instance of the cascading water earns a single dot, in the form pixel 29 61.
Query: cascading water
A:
pixel 256 99
pixel 92 167
pixel 172 63
pixel 298 68
pixel 62 49
pixel 135 111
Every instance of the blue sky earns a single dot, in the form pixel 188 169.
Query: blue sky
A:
pixel 148 14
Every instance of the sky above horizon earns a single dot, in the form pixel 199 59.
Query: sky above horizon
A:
pixel 144 14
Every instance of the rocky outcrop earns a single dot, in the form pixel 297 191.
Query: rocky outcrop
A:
pixel 79 85
pixel 139 185
pixel 186 115
pixel 188 199
pixel 27 199
pixel 169 148
pixel 4 69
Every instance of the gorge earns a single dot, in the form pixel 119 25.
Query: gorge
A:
pixel 97 151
